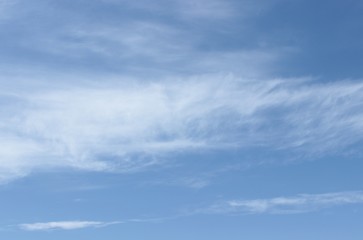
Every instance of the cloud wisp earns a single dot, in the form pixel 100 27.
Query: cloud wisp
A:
pixel 301 203
pixel 128 127
pixel 64 225
pixel 74 225
pixel 164 41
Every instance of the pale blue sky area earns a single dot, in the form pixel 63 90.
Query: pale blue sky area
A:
pixel 181 119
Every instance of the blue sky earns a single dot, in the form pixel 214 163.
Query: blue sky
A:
pixel 181 119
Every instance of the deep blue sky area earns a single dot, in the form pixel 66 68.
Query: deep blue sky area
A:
pixel 181 119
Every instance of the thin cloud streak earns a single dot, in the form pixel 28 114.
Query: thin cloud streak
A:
pixel 129 127
pixel 64 225
pixel 74 225
pixel 141 46
pixel 301 203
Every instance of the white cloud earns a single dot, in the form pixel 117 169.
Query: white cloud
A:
pixel 147 46
pixel 127 127
pixel 141 45
pixel 287 205
pixel 73 225
pixel 65 225
pixel 134 39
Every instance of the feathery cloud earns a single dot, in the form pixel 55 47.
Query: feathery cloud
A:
pixel 127 127
pixel 64 225
pixel 287 205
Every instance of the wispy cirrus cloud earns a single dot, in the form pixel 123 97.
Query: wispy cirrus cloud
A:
pixel 127 127
pixel 287 205
pixel 140 47
pixel 64 225
pixel 156 43
pixel 74 225
pixel 302 203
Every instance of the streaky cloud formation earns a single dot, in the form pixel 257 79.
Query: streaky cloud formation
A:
pixel 64 225
pixel 181 119
pixel 301 203
pixel 139 38
pixel 129 127
pixel 74 225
